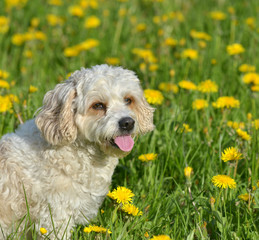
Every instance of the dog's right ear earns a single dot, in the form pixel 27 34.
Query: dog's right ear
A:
pixel 56 117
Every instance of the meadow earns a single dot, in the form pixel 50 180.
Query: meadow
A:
pixel 196 176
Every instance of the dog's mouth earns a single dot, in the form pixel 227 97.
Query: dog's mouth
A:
pixel 124 143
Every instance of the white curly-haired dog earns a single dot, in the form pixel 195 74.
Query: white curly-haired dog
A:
pixel 59 165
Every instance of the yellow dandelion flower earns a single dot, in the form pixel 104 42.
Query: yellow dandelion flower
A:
pixel 249 116
pixel 4 74
pixel 141 27
pixel 161 237
pixel 154 96
pixel 54 20
pixel 207 86
pixel 170 42
pixel 188 85
pixel 97 229
pixel 168 87
pixel 217 15
pixel 28 54
pixel 231 10
pixel 76 10
pixel 153 67
pixel 4 24
pixel 131 209
pixel 71 52
pixel 226 102
pixel 4 84
pixel 235 49
pixel 251 22
pixel 112 60
pixel 145 54
pixel 255 88
pixel 43 231
pixel 55 2
pixel 251 78
pixel 121 195
pixel 243 134
pixel 15 3
pixel 188 171
pixel 246 68
pixel 200 35
pixel 35 22
pixel 202 44
pixel 223 181
pixel 18 39
pixel 147 157
pixel 5 104
pixel 186 128
pixel 199 104
pixel 255 124
pixel 213 61
pixel 230 154
pixel 92 22
pixel 236 125
pixel 32 89
pixel 146 235
pixel 88 44
pixel 190 53
pixel 244 197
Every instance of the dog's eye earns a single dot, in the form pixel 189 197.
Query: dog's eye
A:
pixel 99 106
pixel 128 101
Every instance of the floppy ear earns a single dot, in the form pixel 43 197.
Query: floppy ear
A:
pixel 56 117
pixel 144 114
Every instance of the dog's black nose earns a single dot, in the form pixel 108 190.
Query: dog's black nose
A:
pixel 126 123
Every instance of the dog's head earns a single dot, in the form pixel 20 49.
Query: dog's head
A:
pixel 103 105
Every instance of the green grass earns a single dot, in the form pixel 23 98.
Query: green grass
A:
pixel 161 190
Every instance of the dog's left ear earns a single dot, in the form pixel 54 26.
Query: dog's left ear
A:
pixel 144 116
pixel 56 117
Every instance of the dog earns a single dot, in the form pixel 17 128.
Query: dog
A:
pixel 57 167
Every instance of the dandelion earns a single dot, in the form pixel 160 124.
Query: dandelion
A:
pixel 131 209
pixel 251 78
pixel 217 15
pixel 190 54
pixel 154 96
pixel 32 89
pixel 147 157
pixel 121 195
pixel 246 68
pixel 236 125
pixel 35 22
pixel 199 104
pixel 188 85
pixel 213 61
pixel 15 3
pixel 161 237
pixel 4 74
pixel 168 87
pixel 251 22
pixel 153 67
pixel 226 102
pixel 54 20
pixel 145 54
pixel 76 10
pixel 200 35
pixel 97 229
pixel 112 60
pixel 244 197
pixel 186 128
pixel 92 22
pixel 55 2
pixel 4 24
pixel 223 181
pixel 146 235
pixel 188 171
pixel 4 84
pixel 43 231
pixel 255 124
pixel 141 27
pixel 170 42
pixel 207 86
pixel 243 134
pixel 202 44
pixel 212 201
pixel 230 154
pixel 235 49
pixel 255 88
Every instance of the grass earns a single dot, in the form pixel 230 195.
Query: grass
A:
pixel 172 204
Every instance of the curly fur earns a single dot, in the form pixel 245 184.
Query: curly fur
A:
pixel 62 161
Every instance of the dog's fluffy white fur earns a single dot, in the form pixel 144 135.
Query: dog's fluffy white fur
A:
pixel 61 163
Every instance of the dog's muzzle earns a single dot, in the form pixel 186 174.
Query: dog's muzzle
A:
pixel 126 124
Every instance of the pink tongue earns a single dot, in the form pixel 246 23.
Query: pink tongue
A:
pixel 125 143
